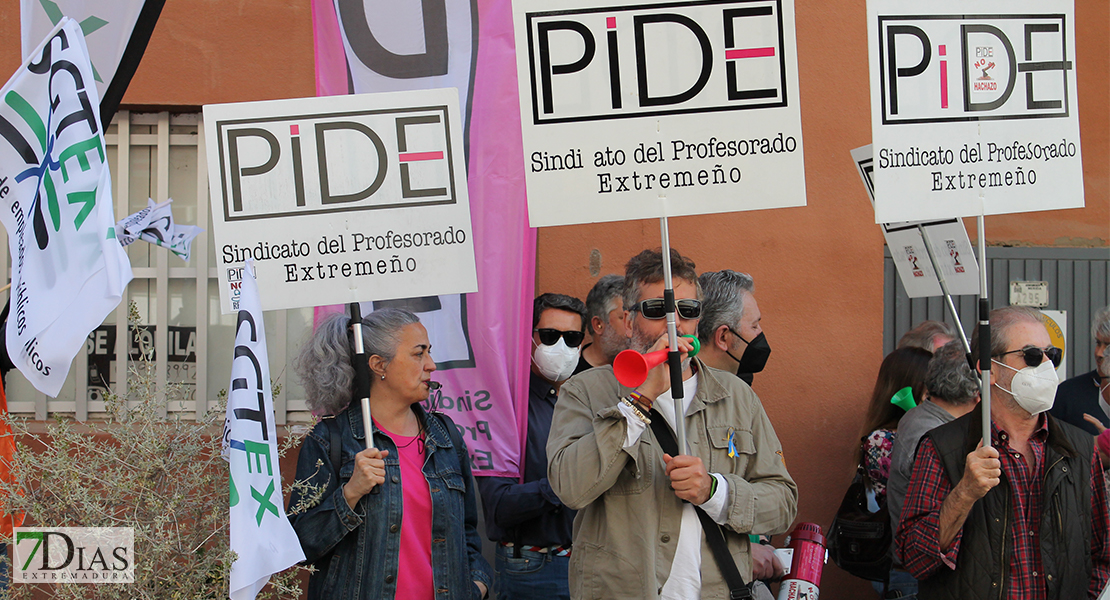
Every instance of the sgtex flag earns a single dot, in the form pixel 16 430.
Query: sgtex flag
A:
pixel 68 270
pixel 260 533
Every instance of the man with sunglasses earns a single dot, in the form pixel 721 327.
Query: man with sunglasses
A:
pixel 637 534
pixel 526 519
pixel 1024 518
pixel 1079 395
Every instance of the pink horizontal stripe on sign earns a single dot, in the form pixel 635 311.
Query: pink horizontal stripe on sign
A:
pixel 749 53
pixel 411 156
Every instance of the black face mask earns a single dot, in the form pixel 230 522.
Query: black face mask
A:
pixel 755 355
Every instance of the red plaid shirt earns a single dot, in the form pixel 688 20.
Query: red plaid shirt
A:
pixel 918 545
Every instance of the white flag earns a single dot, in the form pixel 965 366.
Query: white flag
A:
pixel 155 224
pixel 260 533
pixel 68 270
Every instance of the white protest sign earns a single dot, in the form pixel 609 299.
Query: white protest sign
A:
pixel 951 246
pixel 634 110
pixel 973 108
pixel 341 198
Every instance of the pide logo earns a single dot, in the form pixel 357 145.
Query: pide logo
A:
pixel 938 68
pixel 353 161
pixel 618 62
pixel 74 555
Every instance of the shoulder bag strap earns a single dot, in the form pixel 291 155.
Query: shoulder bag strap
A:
pixel 737 589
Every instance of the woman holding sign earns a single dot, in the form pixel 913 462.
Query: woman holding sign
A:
pixel 397 520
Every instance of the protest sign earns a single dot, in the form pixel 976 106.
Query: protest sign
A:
pixel 634 110
pixel 973 113
pixel 341 199
pixel 68 269
pixel 951 246
pixel 481 341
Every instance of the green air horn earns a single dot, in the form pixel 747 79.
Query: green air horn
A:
pixel 903 399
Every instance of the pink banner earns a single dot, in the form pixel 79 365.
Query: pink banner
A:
pixel 481 340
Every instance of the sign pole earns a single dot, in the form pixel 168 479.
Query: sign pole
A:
pixel 674 358
pixel 361 364
pixel 944 286
pixel 984 336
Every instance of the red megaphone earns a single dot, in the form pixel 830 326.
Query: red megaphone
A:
pixel 631 367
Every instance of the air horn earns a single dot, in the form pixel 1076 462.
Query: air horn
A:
pixel 631 367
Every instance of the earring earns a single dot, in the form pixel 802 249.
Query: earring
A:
pixel 383 377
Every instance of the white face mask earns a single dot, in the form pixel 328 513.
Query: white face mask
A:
pixel 556 363
pixel 1033 388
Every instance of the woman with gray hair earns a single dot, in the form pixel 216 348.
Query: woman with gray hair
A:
pixel 399 519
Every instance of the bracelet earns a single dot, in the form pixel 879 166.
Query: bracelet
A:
pixel 642 399
pixel 636 410
pixel 712 486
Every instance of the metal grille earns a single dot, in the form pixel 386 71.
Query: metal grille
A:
pixel 1077 284
pixel 160 156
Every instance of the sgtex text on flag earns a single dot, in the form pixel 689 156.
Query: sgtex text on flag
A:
pixel 68 270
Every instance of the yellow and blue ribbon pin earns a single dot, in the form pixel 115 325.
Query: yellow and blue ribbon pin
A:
pixel 731 442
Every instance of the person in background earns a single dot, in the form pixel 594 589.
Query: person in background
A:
pixel 951 391
pixel 605 320
pixel 731 334
pixel 1022 517
pixel 731 327
pixel 928 335
pixel 903 368
pixel 417 537
pixel 525 518
pixel 1079 396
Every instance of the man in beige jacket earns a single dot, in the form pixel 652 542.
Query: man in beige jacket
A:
pixel 636 534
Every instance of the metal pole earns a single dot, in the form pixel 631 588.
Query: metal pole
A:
pixel 984 337
pixel 944 286
pixel 674 358
pixel 361 364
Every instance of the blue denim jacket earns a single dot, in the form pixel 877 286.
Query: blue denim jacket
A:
pixel 356 552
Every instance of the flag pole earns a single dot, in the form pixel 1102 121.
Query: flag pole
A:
pixel 674 357
pixel 984 336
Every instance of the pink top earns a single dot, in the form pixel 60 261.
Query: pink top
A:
pixel 414 565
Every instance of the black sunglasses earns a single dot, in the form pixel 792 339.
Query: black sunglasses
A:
pixel 550 337
pixel 1034 356
pixel 655 308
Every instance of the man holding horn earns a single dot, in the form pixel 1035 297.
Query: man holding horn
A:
pixel 637 533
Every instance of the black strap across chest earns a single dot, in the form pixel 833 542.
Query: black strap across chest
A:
pixel 714 536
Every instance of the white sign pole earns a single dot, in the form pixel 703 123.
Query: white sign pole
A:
pixel 673 359
pixel 943 285
pixel 984 336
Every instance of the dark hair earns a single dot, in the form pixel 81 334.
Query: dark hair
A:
pixel 905 367
pixel 600 298
pixel 647 267
pixel 561 302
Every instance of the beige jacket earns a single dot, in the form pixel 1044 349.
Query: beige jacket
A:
pixel 627 526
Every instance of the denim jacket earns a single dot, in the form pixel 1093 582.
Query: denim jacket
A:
pixel 356 551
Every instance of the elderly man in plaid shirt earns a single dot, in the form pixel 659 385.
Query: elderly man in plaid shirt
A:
pixel 1024 518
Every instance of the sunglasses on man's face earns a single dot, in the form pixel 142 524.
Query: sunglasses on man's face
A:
pixel 1034 356
pixel 655 309
pixel 550 337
